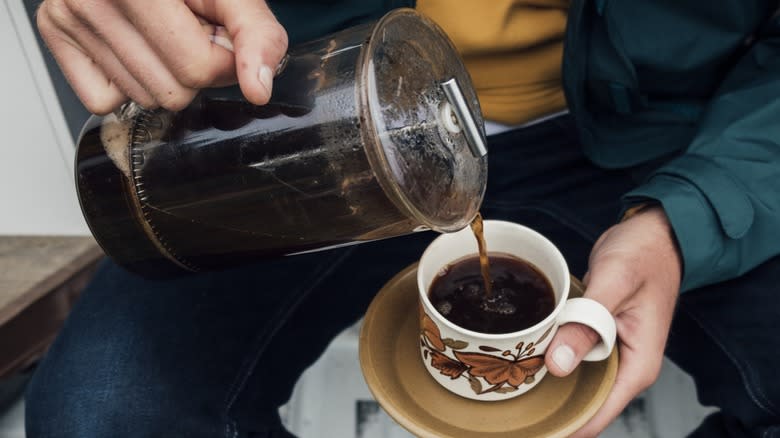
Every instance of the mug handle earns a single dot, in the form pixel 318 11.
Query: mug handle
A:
pixel 592 314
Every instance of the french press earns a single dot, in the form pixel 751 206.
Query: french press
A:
pixel 371 132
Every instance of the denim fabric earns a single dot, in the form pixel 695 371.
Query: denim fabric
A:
pixel 215 354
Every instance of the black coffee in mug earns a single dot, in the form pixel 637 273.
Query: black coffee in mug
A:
pixel 520 295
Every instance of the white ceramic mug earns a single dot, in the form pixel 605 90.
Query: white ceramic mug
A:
pixel 491 367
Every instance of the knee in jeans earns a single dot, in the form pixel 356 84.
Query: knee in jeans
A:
pixel 62 403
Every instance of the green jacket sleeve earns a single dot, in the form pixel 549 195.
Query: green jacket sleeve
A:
pixel 722 196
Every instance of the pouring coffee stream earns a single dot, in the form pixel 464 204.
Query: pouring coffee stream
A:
pixel 484 262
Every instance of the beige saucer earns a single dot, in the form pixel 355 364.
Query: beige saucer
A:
pixel 391 364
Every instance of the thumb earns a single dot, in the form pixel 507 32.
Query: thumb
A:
pixel 607 282
pixel 259 41
pixel 570 344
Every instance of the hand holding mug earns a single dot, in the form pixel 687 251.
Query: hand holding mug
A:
pixel 635 272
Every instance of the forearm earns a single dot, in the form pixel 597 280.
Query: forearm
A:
pixel 722 196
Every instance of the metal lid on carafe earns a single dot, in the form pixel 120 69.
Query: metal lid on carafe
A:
pixel 425 136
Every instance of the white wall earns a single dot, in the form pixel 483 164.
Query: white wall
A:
pixel 37 191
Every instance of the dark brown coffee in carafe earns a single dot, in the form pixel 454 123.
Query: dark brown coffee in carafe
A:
pixel 521 295
pixel 370 133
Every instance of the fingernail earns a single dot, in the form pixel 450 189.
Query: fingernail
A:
pixel 222 41
pixel 563 356
pixel 221 37
pixel 266 77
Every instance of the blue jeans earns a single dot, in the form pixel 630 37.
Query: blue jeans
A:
pixel 215 354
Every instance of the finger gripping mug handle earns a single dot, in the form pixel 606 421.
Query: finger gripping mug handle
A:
pixel 592 314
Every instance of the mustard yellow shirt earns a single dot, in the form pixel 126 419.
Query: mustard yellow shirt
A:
pixel 513 50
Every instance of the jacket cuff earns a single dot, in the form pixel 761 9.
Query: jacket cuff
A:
pixel 694 222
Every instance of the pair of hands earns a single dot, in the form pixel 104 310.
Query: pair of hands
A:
pixel 159 54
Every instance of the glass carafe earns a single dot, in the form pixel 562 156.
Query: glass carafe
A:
pixel 372 132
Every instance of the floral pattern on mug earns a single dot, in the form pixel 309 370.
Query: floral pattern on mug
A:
pixel 503 373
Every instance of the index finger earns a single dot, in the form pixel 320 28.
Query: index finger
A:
pixel 260 42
